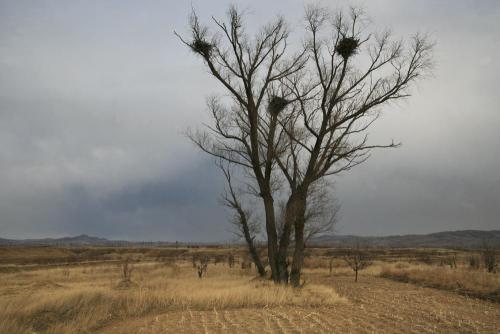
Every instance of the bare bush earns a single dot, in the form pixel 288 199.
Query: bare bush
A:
pixel 126 271
pixel 202 266
pixel 488 255
pixel 230 260
pixel 474 262
pixel 65 272
pixel 450 261
pixel 246 264
pixel 425 258
pixel 357 259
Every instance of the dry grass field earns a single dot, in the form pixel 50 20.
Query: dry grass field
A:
pixel 397 294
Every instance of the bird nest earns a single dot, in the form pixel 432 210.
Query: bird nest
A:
pixel 347 47
pixel 277 104
pixel 202 47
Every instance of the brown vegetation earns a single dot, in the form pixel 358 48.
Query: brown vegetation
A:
pixel 165 295
pixel 357 259
pixel 474 283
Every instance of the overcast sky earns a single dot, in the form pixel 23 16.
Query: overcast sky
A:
pixel 95 96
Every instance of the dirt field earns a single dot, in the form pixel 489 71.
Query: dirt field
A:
pixel 374 305
pixel 166 296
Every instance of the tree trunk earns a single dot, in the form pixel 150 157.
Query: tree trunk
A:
pixel 258 263
pixel 356 276
pixel 272 239
pixel 298 254
pixel 295 210
pixel 290 215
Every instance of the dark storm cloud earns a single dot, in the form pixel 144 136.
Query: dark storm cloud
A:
pixel 183 207
pixel 95 97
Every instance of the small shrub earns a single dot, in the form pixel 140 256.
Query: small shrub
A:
pixel 230 260
pixel 126 271
pixel 358 260
pixel 488 255
pixel 202 266
pixel 474 262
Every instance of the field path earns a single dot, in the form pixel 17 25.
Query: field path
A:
pixel 375 305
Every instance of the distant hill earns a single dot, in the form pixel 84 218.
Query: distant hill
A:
pixel 447 239
pixel 80 240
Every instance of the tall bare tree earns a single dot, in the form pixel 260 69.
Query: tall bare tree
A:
pixel 350 75
pixel 307 115
pixel 245 131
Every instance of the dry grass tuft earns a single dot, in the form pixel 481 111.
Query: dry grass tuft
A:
pixel 86 301
pixel 472 283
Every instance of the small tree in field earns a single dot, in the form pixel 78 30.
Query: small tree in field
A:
pixel 474 262
pixel 202 266
pixel 357 259
pixel 488 255
pixel 126 271
pixel 330 266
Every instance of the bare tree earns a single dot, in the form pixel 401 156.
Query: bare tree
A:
pixel 245 132
pixel 357 259
pixel 242 219
pixel 307 115
pixel 350 75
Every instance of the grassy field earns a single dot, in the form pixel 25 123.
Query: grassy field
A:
pixel 397 293
pixel 473 283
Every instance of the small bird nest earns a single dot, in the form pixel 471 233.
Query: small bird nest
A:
pixel 347 47
pixel 202 47
pixel 277 104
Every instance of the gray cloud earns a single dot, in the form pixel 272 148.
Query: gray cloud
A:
pixel 94 98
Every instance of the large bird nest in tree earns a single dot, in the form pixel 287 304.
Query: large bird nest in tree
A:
pixel 277 104
pixel 347 47
pixel 202 47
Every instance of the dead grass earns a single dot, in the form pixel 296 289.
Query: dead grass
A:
pixel 90 298
pixel 474 283
pixel 55 301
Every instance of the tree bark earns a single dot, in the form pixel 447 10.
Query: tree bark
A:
pixel 298 253
pixel 295 210
pixel 272 239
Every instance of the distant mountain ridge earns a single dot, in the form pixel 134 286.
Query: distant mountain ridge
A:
pixel 80 240
pixel 446 239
